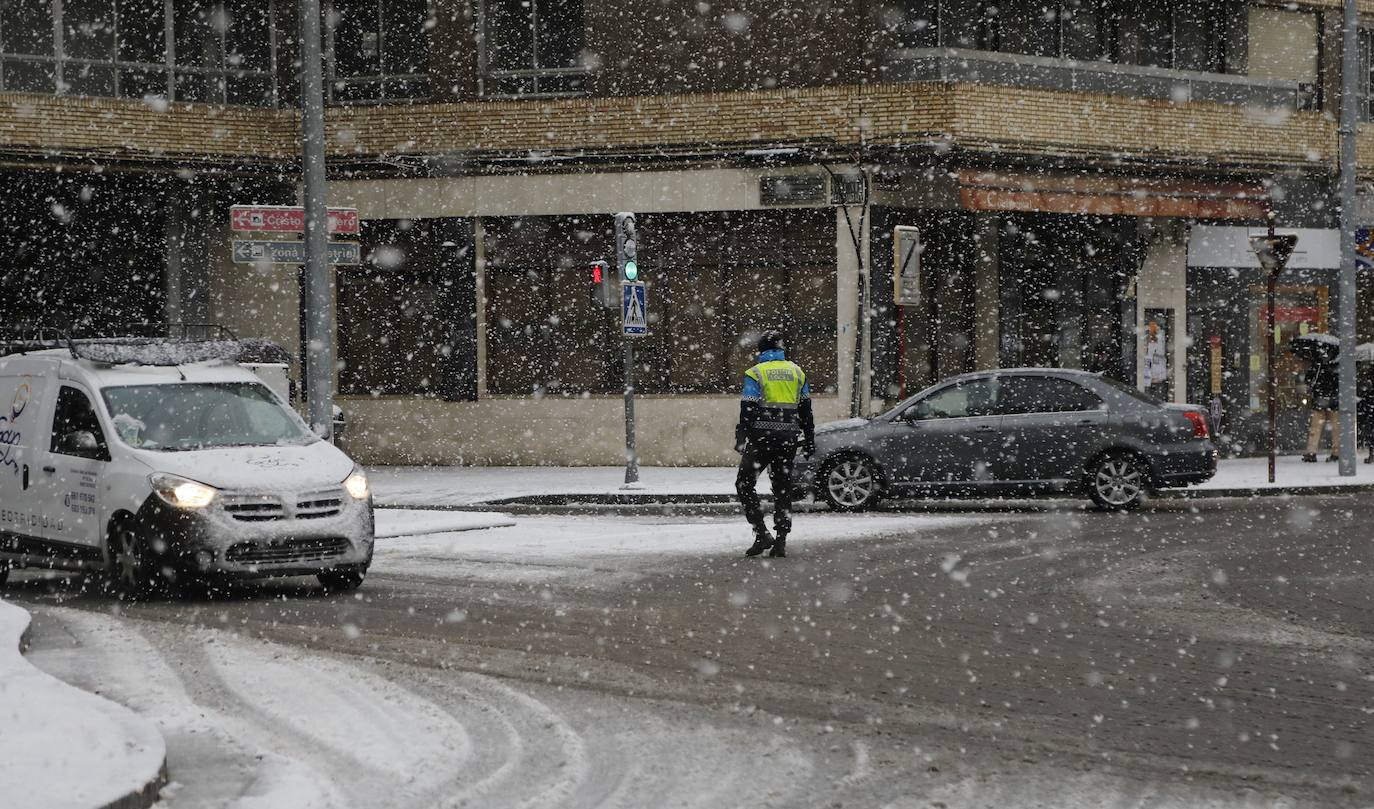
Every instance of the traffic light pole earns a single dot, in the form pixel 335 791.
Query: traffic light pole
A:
pixel 1345 329
pixel 319 331
pixel 631 459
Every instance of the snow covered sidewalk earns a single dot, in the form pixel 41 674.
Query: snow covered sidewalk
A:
pixel 467 486
pixel 63 747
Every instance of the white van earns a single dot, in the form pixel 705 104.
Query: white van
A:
pixel 156 462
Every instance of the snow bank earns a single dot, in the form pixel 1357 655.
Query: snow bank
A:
pixel 1289 472
pixel 62 747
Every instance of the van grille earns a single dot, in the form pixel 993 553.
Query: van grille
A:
pixel 319 504
pixel 254 508
pixel 288 551
pixel 265 507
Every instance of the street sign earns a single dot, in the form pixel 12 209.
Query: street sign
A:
pixel 906 273
pixel 634 311
pixel 252 251
pixel 287 219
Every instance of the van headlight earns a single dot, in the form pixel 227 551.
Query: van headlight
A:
pixel 356 485
pixel 181 492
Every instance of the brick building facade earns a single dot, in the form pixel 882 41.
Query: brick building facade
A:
pixel 1056 163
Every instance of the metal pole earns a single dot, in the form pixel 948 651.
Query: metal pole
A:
pixel 319 331
pixel 1346 322
pixel 1272 382
pixel 631 460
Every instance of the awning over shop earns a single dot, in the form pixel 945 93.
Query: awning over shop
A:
pixel 1110 196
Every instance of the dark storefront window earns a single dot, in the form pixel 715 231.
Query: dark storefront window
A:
pixel 380 50
pixel 407 315
pixel 223 52
pixel 1178 34
pixel 713 279
pixel 532 47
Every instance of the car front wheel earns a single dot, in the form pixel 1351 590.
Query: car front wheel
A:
pixel 849 483
pixel 341 580
pixel 1119 482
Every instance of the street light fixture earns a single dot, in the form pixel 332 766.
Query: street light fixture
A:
pixel 1273 253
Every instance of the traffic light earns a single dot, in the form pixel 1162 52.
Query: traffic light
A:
pixel 626 258
pixel 605 291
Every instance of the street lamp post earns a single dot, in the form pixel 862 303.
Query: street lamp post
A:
pixel 1273 252
pixel 1345 325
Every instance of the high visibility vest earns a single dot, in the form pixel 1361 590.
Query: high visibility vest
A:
pixel 781 382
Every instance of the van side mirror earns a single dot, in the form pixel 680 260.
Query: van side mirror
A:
pixel 79 442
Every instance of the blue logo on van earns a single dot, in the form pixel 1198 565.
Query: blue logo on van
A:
pixel 10 437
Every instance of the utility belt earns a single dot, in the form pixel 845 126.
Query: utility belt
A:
pixel 775 424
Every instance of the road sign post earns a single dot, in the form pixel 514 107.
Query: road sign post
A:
pixel 634 322
pixel 1273 253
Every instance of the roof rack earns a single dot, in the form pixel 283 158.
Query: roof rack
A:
pixel 144 344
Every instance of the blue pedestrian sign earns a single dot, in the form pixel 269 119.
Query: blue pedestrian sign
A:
pixel 634 313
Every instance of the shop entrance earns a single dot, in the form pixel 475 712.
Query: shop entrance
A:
pixel 1063 280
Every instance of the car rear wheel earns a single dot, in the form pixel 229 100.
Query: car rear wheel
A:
pixel 1119 481
pixel 850 483
pixel 341 580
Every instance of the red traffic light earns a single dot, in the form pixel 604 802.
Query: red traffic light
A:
pixel 597 267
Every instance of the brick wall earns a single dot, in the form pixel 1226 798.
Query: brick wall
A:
pixel 974 117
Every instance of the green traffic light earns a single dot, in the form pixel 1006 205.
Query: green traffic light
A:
pixel 631 271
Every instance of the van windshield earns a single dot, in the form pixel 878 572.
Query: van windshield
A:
pixel 189 416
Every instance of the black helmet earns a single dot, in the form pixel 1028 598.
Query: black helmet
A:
pixel 771 340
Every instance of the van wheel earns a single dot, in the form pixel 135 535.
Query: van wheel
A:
pixel 1119 481
pixel 134 571
pixel 342 580
pixel 849 483
pixel 4 573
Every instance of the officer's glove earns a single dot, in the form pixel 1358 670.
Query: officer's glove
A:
pixel 809 449
pixel 741 441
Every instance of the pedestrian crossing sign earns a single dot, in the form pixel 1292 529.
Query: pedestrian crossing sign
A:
pixel 633 311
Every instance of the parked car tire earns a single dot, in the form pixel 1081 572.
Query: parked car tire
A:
pixel 341 580
pixel 1119 481
pixel 850 483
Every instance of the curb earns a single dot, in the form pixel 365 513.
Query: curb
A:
pixel 706 504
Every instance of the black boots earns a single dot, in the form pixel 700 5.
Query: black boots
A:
pixel 762 542
pixel 779 548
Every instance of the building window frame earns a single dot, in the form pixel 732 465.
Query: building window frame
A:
pixel 63 68
pixel 533 81
pixel 391 85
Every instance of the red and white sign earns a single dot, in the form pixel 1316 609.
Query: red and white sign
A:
pixel 287 219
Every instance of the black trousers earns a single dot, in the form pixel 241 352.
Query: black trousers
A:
pixel 777 459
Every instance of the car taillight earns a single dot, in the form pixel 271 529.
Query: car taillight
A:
pixel 1199 423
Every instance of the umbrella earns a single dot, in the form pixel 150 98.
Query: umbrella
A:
pixel 1316 347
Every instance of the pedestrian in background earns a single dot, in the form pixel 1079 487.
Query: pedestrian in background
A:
pixel 1156 362
pixel 774 414
pixel 1323 385
pixel 1364 408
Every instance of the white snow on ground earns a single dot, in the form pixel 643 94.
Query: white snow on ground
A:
pixel 60 746
pixel 396 522
pixel 555 546
pixel 1289 470
pixel 467 485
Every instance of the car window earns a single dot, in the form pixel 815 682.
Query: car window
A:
pixel 74 415
pixel 1044 394
pixel 976 397
pixel 202 415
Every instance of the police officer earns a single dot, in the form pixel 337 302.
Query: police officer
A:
pixel 774 413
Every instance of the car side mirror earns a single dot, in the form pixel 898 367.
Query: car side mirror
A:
pixel 79 442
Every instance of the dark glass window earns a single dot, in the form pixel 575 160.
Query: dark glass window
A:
pixel 88 29
pixel 379 50
pixel 1086 31
pixel 407 315
pixel 142 31
pixel 1150 31
pixel 970 399
pixel 530 46
pixel 197 33
pixel 920 25
pixel 1028 27
pixel 26 27
pixel 22 76
pixel 248 36
pixel 74 414
pixel 1200 37
pixel 1043 394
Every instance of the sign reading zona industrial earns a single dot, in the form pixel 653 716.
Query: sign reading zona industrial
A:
pixel 288 219
pixel 253 251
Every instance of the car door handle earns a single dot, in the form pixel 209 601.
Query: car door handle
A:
pixel 50 469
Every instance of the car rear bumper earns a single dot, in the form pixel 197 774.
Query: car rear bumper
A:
pixel 1185 466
